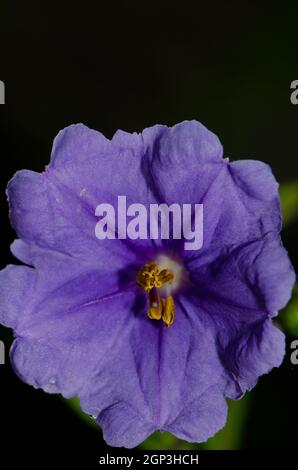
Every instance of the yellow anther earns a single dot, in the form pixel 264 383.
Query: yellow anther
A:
pixel 155 305
pixel 151 279
pixel 163 277
pixel 168 311
pixel 147 276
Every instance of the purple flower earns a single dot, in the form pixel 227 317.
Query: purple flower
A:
pixel 148 335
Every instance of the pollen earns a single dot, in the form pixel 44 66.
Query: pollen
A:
pixel 156 281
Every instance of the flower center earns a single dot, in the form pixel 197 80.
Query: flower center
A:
pixel 159 279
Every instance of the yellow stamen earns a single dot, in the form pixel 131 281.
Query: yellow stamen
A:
pixel 151 279
pixel 168 313
pixel 155 305
pixel 163 277
pixel 147 276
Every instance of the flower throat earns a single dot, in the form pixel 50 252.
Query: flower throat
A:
pixel 151 279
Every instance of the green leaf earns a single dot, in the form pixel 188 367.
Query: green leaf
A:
pixel 166 441
pixel 74 404
pixel 230 437
pixel 161 441
pixel 289 201
pixel 289 317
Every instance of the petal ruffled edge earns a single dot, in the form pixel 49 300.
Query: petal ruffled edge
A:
pixel 255 353
pixel 201 420
pixel 187 140
pixel 123 427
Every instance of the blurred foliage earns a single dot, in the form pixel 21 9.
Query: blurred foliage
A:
pixel 289 317
pixel 289 201
pixel 230 437
pixel 165 441
pixel 289 206
pixel 74 404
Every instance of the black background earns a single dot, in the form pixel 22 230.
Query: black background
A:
pixel 130 65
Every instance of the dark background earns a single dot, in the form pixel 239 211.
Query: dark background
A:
pixel 130 65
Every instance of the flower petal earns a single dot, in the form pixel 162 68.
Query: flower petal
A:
pixel 123 426
pixel 63 352
pixel 184 164
pixel 255 276
pixel 17 284
pixel 182 161
pixel 156 380
pixel 247 343
pixel 255 352
pixel 201 419
pixel 80 320
pixel 56 209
